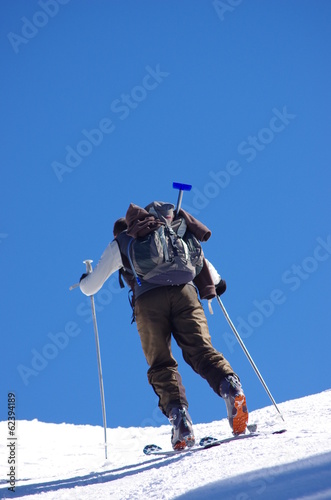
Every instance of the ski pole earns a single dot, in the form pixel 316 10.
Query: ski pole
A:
pixel 249 357
pixel 181 187
pixel 102 394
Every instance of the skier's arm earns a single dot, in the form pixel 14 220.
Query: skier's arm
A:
pixel 110 262
pixel 214 274
pixel 220 284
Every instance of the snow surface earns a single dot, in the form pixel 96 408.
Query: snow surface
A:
pixel 65 461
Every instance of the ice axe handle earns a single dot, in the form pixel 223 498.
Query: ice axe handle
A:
pixel 181 187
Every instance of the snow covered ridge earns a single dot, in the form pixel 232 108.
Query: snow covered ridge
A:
pixel 65 461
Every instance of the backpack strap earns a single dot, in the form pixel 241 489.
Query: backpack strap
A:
pixel 131 263
pixel 121 273
pixel 131 302
pixel 161 230
pixel 120 278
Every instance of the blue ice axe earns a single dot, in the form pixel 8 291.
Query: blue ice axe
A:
pixel 181 187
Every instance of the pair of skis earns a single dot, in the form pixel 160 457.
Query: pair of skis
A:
pixel 209 442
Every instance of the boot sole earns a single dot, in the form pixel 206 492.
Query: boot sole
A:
pixel 190 441
pixel 187 442
pixel 241 418
pixel 180 445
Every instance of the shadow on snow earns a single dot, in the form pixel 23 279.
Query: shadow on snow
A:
pixel 87 480
pixel 309 479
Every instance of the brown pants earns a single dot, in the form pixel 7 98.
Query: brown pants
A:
pixel 176 310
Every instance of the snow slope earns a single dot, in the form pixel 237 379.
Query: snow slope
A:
pixel 64 461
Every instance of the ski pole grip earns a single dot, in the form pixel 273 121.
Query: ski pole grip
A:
pixel 88 270
pixel 88 264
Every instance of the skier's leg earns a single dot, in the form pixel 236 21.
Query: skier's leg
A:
pixel 154 327
pixel 190 330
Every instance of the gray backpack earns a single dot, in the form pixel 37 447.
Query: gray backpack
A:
pixel 169 255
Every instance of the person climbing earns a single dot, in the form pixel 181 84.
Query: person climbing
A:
pixel 166 304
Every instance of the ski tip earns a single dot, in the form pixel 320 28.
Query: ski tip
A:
pixel 181 187
pixel 151 448
pixel 207 441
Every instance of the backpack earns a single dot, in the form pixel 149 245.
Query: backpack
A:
pixel 169 255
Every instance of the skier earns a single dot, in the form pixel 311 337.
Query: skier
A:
pixel 164 310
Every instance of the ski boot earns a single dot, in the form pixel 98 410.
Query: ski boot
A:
pixel 232 392
pixel 182 435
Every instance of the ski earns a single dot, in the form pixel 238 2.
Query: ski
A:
pixel 207 442
pixel 204 444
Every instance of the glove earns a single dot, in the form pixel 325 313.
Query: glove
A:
pixel 82 277
pixel 221 287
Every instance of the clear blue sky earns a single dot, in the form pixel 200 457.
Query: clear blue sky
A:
pixel 104 103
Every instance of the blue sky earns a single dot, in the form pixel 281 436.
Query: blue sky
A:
pixel 105 103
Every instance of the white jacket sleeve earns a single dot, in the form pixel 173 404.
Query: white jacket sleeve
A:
pixel 214 274
pixel 110 262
